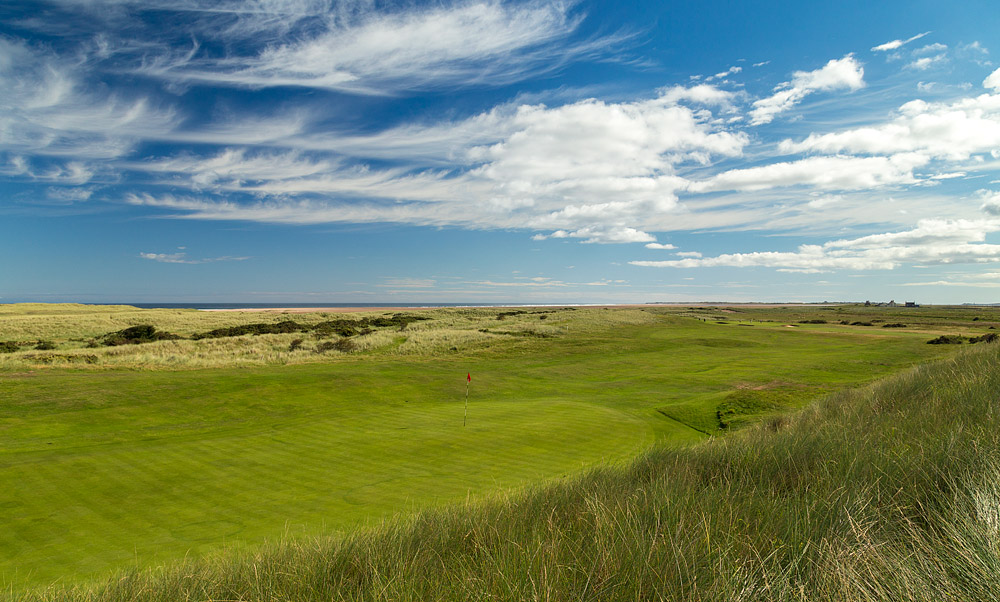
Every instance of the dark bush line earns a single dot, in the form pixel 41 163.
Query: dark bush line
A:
pixel 895 325
pixel 283 327
pixel 520 312
pixel 8 346
pixel 955 339
pixel 147 333
pixel 812 321
pixel 344 327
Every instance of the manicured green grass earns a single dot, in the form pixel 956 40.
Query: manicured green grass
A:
pixel 103 468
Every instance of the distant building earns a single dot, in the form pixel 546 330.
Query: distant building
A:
pixel 911 304
pixel 891 303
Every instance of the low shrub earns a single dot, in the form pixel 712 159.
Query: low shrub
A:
pixel 295 344
pixel 861 323
pixel 283 327
pixel 8 346
pixel 45 345
pixel 344 345
pixel 990 337
pixel 812 321
pixel 894 325
pixel 136 335
pixel 341 327
pixel 947 339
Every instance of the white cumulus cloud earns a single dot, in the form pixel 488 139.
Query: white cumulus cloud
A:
pixel 953 131
pixel 838 74
pixel 932 241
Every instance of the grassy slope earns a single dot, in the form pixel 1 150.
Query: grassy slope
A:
pixel 100 468
pixel 885 493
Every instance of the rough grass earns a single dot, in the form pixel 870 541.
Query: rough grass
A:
pixel 885 493
pixel 78 332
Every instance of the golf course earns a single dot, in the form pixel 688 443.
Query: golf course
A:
pixel 229 432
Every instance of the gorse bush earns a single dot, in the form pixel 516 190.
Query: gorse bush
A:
pixel 989 337
pixel 283 327
pixel 135 335
pixel 8 347
pixel 947 339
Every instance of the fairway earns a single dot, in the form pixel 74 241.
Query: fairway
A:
pixel 104 469
pixel 157 489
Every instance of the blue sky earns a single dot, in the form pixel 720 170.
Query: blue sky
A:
pixel 488 151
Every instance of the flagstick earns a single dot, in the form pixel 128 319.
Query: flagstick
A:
pixel 468 383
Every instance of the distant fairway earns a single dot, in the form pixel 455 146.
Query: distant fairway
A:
pixel 102 469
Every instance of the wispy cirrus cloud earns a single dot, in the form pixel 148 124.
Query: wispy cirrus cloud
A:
pixel 181 257
pixel 820 173
pixel 47 109
pixel 364 51
pixel 895 44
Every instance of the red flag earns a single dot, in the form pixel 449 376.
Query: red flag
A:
pixel 468 377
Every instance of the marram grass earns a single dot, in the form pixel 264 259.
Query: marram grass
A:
pixel 883 493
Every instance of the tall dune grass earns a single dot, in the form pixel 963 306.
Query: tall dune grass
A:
pixel 884 493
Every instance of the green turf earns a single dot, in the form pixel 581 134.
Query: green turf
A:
pixel 103 469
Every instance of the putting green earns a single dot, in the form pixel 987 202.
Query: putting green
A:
pixel 139 482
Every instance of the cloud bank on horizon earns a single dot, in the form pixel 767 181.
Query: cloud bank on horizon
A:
pixel 540 118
